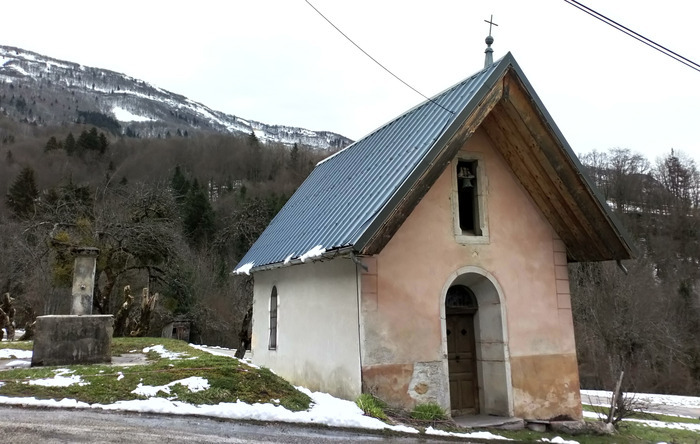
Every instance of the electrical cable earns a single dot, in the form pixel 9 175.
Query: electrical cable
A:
pixel 652 44
pixel 375 60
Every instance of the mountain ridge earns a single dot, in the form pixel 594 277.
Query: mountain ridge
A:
pixel 44 90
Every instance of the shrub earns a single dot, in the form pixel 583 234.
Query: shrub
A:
pixel 371 406
pixel 428 412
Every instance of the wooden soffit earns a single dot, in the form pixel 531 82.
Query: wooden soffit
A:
pixel 538 156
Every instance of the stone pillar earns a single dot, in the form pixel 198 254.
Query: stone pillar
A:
pixel 83 280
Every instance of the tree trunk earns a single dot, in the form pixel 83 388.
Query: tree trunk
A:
pixel 122 316
pixel 148 303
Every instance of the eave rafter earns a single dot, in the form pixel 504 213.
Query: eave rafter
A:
pixel 545 169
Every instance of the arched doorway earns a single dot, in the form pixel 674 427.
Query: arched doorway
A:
pixel 460 308
pixel 485 299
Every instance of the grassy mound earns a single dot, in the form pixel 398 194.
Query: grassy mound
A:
pixel 229 379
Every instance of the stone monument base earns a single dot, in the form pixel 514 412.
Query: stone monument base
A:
pixel 72 339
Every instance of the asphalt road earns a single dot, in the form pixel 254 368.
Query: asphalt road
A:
pixel 27 425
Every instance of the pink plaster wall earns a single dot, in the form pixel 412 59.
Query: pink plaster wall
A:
pixel 402 293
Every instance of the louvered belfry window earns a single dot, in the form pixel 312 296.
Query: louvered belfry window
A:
pixel 273 319
pixel 467 195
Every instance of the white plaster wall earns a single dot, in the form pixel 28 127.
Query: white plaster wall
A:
pixel 317 325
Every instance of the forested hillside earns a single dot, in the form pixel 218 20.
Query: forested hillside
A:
pixel 173 215
pixel 645 321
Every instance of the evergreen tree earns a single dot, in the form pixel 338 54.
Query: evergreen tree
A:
pixel 52 144
pixel 103 143
pixel 22 194
pixel 253 140
pixel 69 144
pixel 179 185
pixel 294 157
pixel 198 216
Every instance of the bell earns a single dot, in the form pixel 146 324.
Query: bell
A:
pixel 466 177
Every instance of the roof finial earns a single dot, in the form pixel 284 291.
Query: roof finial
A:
pixel 489 40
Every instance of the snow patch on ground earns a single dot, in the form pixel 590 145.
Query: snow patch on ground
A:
pixel 7 353
pixel 326 409
pixel 193 383
pixel 59 380
pixel 652 423
pixel 223 351
pixel 558 440
pixel 164 353
pixel 472 435
pixel 16 364
pixel 673 400
pixel 127 116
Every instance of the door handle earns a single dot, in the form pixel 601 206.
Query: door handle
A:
pixel 456 358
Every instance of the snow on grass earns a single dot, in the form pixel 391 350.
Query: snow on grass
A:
pixel 7 353
pixel 223 351
pixel 472 435
pixel 652 423
pixel 59 380
pixel 164 353
pixel 17 364
pixel 326 410
pixel 667 425
pixel 127 116
pixel 670 400
pixel 558 440
pixel 193 383
pixel 316 251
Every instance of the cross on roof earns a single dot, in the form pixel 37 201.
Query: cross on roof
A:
pixel 491 23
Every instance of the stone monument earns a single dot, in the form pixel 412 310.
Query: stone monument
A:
pixel 81 337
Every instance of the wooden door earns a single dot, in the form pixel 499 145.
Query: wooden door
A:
pixel 461 361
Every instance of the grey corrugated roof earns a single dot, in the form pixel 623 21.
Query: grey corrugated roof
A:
pixel 347 198
pixel 345 193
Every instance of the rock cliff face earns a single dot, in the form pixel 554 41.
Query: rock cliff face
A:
pixel 47 91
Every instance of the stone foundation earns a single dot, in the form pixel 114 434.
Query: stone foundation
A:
pixel 72 339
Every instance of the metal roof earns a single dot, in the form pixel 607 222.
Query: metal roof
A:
pixel 345 193
pixel 350 194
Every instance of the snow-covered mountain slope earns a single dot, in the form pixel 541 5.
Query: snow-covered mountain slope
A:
pixel 47 91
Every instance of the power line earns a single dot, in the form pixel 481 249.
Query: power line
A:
pixel 652 44
pixel 375 60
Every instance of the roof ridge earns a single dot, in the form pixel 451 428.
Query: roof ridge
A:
pixel 434 100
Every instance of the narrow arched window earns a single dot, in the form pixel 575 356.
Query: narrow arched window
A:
pixel 273 319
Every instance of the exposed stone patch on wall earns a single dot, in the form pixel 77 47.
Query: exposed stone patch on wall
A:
pixel 429 383
pixel 555 390
pixel 389 383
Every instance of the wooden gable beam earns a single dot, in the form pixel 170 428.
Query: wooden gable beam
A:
pixel 508 140
pixel 586 219
pixel 416 191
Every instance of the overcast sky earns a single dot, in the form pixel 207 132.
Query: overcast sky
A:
pixel 279 62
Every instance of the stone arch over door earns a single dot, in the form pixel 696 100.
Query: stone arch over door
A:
pixel 491 337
